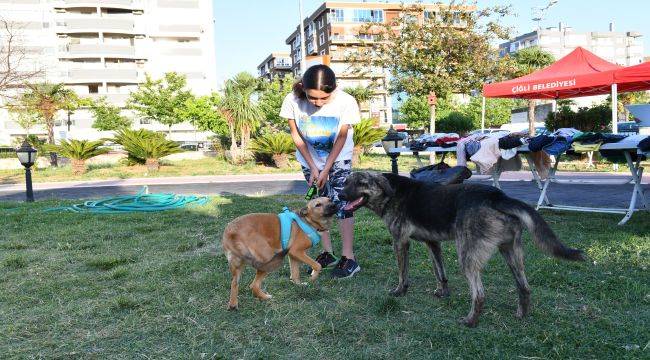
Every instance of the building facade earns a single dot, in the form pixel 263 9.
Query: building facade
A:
pixel 332 31
pixel 276 64
pixel 622 48
pixel 105 48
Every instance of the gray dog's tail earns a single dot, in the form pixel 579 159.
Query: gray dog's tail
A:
pixel 543 237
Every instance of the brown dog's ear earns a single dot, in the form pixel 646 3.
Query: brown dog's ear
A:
pixel 383 183
pixel 303 212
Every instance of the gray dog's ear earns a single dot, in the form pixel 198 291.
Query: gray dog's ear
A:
pixel 303 212
pixel 383 183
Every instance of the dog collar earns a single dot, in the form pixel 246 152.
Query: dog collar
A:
pixel 286 218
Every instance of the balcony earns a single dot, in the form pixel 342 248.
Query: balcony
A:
pixel 178 30
pixel 75 76
pixel 98 50
pixel 97 24
pixel 114 4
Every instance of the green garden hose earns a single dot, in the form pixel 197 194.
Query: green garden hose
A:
pixel 140 202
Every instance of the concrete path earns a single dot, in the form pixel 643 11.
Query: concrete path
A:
pixel 515 184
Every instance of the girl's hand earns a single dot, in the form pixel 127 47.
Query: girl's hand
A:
pixel 315 173
pixel 322 179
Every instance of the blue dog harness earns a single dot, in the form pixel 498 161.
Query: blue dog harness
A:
pixel 286 218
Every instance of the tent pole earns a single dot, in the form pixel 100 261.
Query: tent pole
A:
pixel 483 116
pixel 615 114
pixel 614 108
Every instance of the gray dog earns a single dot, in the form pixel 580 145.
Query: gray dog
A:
pixel 479 218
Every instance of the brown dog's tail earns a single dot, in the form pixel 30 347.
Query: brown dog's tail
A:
pixel 543 237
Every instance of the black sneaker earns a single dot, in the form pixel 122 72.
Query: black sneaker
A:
pixel 325 259
pixel 345 268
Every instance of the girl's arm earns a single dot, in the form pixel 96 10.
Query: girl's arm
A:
pixel 302 147
pixel 331 158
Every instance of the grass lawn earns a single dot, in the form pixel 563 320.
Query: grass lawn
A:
pixel 215 166
pixel 156 286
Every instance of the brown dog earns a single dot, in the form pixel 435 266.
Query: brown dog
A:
pixel 254 239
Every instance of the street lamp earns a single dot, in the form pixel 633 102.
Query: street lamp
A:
pixel 27 157
pixel 390 142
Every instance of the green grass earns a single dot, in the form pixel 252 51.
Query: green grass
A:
pixel 156 286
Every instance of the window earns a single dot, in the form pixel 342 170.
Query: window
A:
pixel 364 15
pixel 322 52
pixel 320 22
pixel 93 89
pixel 321 38
pixel 337 15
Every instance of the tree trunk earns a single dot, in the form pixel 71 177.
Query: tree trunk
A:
pixel 78 166
pixel 531 117
pixel 152 164
pixel 356 155
pixel 50 140
pixel 233 138
pixel 281 160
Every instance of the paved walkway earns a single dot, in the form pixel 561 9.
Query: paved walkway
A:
pixel 516 184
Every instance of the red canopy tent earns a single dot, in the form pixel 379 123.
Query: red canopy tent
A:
pixel 633 78
pixel 580 73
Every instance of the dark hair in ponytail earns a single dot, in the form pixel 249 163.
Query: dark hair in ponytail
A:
pixel 317 77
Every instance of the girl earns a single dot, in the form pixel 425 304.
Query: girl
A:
pixel 320 118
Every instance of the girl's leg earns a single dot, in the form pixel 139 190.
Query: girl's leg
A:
pixel 347 237
pixel 327 242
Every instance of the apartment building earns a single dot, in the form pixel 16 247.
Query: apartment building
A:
pixel 276 64
pixel 333 31
pixel 623 48
pixel 104 48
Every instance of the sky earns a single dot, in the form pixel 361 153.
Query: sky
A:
pixel 247 31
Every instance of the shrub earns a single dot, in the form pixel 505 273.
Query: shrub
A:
pixel 145 146
pixel 456 122
pixel 78 151
pixel 276 145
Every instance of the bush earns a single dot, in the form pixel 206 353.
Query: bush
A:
pixel 456 122
pixel 596 118
pixel 365 134
pixel 145 145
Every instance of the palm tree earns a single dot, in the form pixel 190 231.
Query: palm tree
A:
pixel 529 60
pixel 79 151
pixel 47 99
pixel 278 145
pixel 241 113
pixel 145 146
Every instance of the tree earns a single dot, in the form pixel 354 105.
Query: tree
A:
pixel 47 99
pixel 414 112
pixel 242 114
pixel 14 60
pixel 161 100
pixel 270 101
pixel 107 116
pixel 360 94
pixel 79 151
pixel 25 117
pixel 497 111
pixel 529 60
pixel 447 51
pixel 203 113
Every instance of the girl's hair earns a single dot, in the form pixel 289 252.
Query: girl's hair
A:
pixel 318 77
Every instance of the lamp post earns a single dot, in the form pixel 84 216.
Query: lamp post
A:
pixel 27 156
pixel 70 112
pixel 390 142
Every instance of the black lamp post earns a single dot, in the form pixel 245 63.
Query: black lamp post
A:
pixel 391 141
pixel 27 157
pixel 70 112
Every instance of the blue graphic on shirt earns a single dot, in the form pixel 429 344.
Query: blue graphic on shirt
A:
pixel 320 132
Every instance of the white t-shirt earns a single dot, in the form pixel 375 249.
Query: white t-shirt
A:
pixel 319 127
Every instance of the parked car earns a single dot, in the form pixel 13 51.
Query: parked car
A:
pixel 488 131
